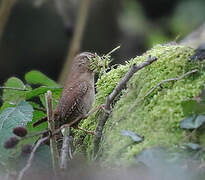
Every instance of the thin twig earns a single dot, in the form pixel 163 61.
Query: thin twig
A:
pixel 29 162
pixel 109 99
pixel 35 134
pixel 57 130
pixel 51 126
pixel 40 109
pixel 77 38
pixel 13 88
pixel 68 125
pixel 168 80
pixel 163 82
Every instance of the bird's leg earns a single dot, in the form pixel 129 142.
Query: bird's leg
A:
pixel 74 124
pixel 86 131
pixel 102 106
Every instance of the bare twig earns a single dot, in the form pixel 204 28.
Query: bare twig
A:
pixel 163 82
pixel 29 162
pixel 40 109
pixel 109 99
pixel 77 38
pixel 169 80
pixel 35 134
pixel 84 130
pixel 51 126
pixel 56 131
pixel 13 88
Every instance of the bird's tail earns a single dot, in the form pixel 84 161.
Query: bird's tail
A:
pixel 44 119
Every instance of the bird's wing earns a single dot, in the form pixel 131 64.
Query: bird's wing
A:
pixel 71 98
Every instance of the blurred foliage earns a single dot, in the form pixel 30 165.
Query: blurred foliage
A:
pixel 157 116
pixel 19 108
pixel 188 15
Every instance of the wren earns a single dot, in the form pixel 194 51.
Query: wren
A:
pixel 78 93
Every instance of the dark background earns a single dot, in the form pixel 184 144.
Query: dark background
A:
pixel 37 36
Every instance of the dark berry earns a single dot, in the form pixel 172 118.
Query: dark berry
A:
pixel 26 149
pixel 20 131
pixel 11 142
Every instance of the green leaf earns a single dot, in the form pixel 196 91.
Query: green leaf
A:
pixel 10 118
pixel 6 105
pixel 134 136
pixel 15 92
pixel 41 90
pixel 38 78
pixel 192 122
pixel 55 94
pixel 192 107
pixel 37 114
pixel 188 107
pixel 199 108
pixel 193 146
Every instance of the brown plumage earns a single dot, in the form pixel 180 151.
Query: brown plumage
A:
pixel 78 94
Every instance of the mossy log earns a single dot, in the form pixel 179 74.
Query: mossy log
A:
pixel 155 116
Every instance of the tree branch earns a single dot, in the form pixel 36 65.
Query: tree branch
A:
pixel 109 99
pixel 125 79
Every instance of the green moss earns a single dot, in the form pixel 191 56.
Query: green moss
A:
pixel 157 116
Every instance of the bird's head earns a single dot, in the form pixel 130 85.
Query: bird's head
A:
pixel 82 61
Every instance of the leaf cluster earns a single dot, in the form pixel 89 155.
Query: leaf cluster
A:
pixel 194 109
pixel 23 105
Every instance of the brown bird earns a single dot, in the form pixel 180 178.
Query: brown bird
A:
pixel 78 94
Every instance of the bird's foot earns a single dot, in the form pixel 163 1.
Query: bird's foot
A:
pixel 102 106
pixel 84 130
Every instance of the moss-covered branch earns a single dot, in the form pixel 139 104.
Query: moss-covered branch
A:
pixel 109 100
pixel 157 117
